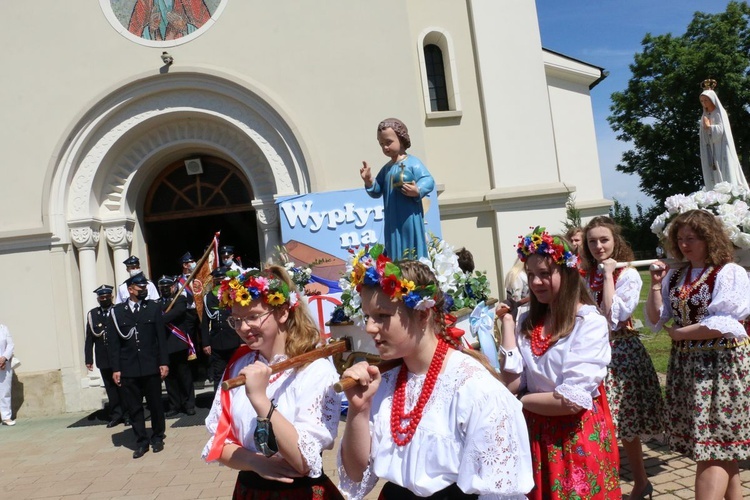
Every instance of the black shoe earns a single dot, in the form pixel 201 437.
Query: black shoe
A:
pixel 172 414
pixel 157 447
pixel 114 422
pixel 140 452
pixel 126 422
pixel 190 411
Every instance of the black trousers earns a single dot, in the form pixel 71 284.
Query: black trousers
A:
pixel 113 395
pixel 179 382
pixel 219 360
pixel 133 391
pixel 396 492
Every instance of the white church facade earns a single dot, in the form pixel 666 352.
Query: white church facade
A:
pixel 111 152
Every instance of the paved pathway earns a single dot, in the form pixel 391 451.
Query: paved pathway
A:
pixel 44 458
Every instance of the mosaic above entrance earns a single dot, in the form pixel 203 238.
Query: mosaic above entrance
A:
pixel 162 23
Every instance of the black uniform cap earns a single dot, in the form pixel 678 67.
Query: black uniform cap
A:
pixel 166 281
pixel 220 272
pixel 226 249
pixel 138 279
pixel 188 257
pixel 104 290
pixel 132 261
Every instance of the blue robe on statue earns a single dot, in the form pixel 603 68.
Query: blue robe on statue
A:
pixel 404 231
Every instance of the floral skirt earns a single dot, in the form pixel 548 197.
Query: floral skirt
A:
pixel 251 486
pixel 708 399
pixel 633 390
pixel 575 456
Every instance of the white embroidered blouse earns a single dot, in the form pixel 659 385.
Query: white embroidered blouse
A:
pixel 730 301
pixel 627 295
pixel 573 367
pixel 472 433
pixel 306 399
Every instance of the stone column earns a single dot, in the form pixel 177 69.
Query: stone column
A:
pixel 119 234
pixel 268 224
pixel 85 238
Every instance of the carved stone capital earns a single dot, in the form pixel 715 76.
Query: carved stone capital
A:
pixel 268 216
pixel 84 237
pixel 119 234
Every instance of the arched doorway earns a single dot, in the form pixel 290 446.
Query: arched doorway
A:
pixel 188 202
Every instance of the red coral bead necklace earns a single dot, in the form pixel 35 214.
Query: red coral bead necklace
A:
pixel 539 344
pixel 398 415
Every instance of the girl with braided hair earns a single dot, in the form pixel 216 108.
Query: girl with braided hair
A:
pixel 556 362
pixel 439 426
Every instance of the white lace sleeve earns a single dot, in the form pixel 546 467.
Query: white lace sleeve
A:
pixel 355 490
pixel 585 364
pixel 212 421
pixel 627 295
pixel 665 313
pixel 730 303
pixel 317 415
pixel 496 461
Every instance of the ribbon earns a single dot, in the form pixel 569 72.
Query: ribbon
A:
pixel 481 325
pixel 185 338
pixel 453 333
pixel 224 428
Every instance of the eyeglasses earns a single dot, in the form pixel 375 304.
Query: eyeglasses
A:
pixel 249 320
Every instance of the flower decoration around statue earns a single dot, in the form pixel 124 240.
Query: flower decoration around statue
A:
pixel 252 284
pixel 460 290
pixel 540 242
pixel 730 203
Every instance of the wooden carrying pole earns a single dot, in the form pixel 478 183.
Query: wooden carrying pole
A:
pixel 347 382
pixel 295 362
pixel 192 275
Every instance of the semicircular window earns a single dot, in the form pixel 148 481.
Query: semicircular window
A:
pixel 195 187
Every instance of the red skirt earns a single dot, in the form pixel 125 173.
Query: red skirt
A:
pixel 575 456
pixel 250 486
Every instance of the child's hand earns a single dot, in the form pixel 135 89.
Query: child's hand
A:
pixel 410 189
pixel 365 173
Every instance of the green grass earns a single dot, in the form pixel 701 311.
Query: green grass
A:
pixel 657 344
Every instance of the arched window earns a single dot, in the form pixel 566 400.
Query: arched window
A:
pixel 433 60
pixel 439 76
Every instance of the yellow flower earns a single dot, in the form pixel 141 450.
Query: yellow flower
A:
pixel 405 286
pixel 275 298
pixel 243 297
pixel 234 284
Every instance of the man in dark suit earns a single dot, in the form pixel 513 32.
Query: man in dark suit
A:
pixel 139 359
pixel 179 342
pixel 219 340
pixel 96 341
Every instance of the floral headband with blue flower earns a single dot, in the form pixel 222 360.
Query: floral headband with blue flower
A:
pixel 252 284
pixel 540 242
pixel 371 267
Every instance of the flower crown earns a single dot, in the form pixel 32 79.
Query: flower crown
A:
pixel 370 266
pixel 251 284
pixel 540 242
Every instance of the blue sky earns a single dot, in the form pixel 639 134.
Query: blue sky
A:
pixel 608 33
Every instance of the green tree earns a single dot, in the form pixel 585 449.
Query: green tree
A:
pixel 636 229
pixel 659 111
pixel 572 215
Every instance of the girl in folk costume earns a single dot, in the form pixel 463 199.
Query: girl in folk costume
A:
pixel 632 387
pixel 708 397
pixel 440 425
pixel 294 413
pixel 557 361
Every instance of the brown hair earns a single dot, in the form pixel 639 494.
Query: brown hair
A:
pixel 572 292
pixel 421 275
pixel 399 128
pixel 302 333
pixel 708 228
pixel 465 260
pixel 621 252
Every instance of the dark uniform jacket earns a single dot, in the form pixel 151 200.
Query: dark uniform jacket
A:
pixel 96 339
pixel 144 351
pixel 215 331
pixel 178 316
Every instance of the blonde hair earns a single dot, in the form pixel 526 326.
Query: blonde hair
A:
pixel 510 278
